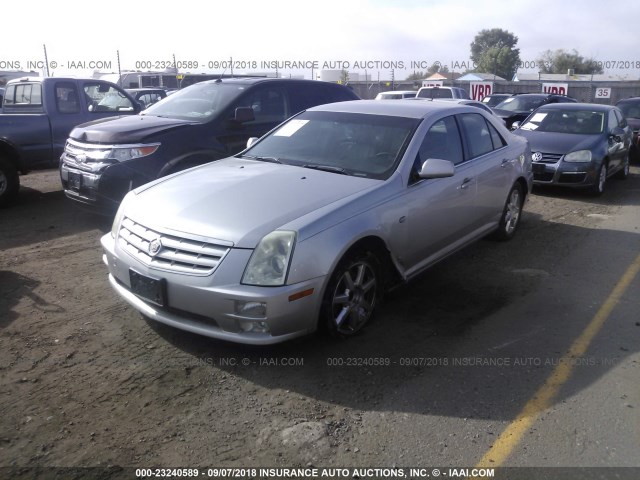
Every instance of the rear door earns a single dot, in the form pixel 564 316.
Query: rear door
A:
pixel 493 166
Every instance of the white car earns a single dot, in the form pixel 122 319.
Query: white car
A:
pixel 396 95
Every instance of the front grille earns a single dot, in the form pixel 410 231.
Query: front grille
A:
pixel 175 254
pixel 549 158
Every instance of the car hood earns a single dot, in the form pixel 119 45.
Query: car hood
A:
pixel 560 143
pixel 126 129
pixel 238 201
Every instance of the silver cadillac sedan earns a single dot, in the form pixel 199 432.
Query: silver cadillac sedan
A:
pixel 307 227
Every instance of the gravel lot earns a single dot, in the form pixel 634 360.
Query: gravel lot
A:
pixel 87 382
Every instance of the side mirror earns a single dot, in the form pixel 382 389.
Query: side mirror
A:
pixel 617 134
pixel 244 114
pixel 515 125
pixel 436 168
pixel 251 141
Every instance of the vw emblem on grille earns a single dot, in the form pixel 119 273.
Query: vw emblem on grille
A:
pixel 536 157
pixel 154 247
pixel 81 158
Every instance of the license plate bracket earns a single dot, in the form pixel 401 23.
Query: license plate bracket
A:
pixel 75 181
pixel 538 168
pixel 152 290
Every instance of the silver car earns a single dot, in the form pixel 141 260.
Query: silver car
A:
pixel 307 227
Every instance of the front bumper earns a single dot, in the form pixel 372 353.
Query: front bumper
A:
pixel 565 174
pixel 207 305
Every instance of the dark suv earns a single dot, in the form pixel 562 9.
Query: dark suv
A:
pixel 518 107
pixel 631 110
pixel 207 121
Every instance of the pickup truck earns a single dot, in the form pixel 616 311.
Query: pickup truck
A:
pixel 39 113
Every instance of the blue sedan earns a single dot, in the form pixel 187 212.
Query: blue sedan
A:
pixel 577 145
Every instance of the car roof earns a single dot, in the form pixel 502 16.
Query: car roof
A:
pixel 577 106
pixel 256 80
pixel 629 100
pixel 399 91
pixel 410 108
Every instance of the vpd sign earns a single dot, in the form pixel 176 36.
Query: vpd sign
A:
pixel 479 90
pixel 557 88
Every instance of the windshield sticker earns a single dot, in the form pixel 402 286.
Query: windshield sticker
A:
pixel 538 117
pixel 290 128
pixel 529 126
pixel 507 100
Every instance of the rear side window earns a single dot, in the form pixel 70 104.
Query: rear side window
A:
pixel 496 138
pixel 477 135
pixel 23 94
pixel 67 98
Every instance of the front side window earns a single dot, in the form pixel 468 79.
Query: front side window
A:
pixel 102 97
pixel 268 105
pixel 346 143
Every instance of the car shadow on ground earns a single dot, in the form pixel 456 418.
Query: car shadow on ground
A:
pixel 38 216
pixel 16 288
pixel 454 334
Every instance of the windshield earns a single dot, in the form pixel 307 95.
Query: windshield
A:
pixel 630 109
pixel 351 143
pixel 520 104
pixel 493 100
pixel 434 92
pixel 581 122
pixel 198 102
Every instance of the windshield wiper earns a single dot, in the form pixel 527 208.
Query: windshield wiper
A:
pixel 329 168
pixel 262 159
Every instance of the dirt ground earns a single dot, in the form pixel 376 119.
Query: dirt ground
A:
pixel 87 382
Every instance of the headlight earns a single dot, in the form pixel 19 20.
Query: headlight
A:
pixel 269 262
pixel 122 154
pixel 579 156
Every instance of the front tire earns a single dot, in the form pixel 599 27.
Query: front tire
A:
pixel 9 182
pixel 352 295
pixel 511 214
pixel 601 179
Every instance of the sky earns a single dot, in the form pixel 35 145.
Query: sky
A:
pixel 378 35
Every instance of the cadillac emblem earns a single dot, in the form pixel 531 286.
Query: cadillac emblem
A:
pixel 536 157
pixel 154 247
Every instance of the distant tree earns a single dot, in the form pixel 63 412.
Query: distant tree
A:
pixel 494 51
pixel 560 61
pixel 417 76
pixel 344 77
pixel 437 67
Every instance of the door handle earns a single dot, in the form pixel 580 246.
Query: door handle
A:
pixel 465 183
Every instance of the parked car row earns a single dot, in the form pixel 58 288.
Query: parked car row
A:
pixel 318 202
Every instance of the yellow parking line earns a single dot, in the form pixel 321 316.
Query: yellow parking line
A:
pixel 541 400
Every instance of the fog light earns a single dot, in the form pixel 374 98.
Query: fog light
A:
pixel 257 326
pixel 251 309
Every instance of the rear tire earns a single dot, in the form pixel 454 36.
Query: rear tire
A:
pixel 352 294
pixel 624 173
pixel 9 182
pixel 511 214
